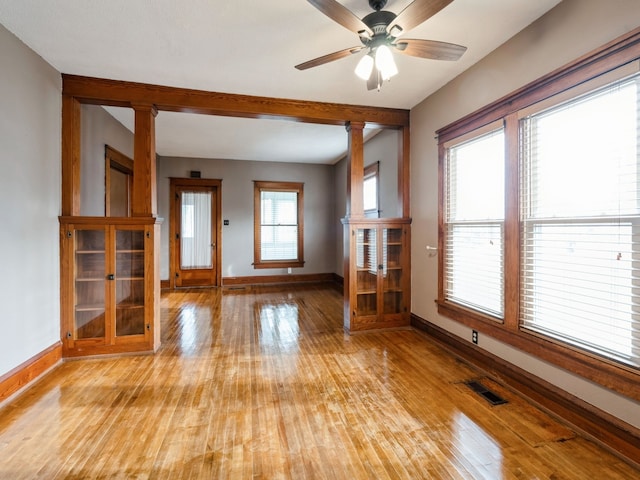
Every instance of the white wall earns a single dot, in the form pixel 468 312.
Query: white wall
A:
pixel 237 206
pixel 572 29
pixel 30 133
pixel 97 129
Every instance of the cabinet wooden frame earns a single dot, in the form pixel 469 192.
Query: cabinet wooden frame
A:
pixel 148 291
pixel 366 305
pixel 258 188
pixel 618 377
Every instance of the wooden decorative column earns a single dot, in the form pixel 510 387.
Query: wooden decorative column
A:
pixel 144 201
pixel 70 156
pixel 355 170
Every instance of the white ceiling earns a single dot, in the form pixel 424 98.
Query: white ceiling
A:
pixel 250 47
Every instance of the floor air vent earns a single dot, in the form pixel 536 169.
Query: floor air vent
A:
pixel 492 397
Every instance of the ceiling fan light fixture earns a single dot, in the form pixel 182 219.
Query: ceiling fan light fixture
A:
pixel 385 63
pixel 365 67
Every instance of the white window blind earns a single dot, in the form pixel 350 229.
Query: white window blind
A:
pixel 581 222
pixel 278 225
pixel 474 223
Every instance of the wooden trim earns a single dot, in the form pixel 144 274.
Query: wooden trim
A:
pixel 355 170
pixel 605 429
pixel 71 113
pixel 125 94
pixel 373 222
pixel 109 220
pixel 139 348
pixel 176 183
pixel 165 284
pixel 259 186
pixel 404 171
pixel 279 279
pixel 614 376
pixel 611 56
pixel 27 372
pixel 118 161
pixel 144 200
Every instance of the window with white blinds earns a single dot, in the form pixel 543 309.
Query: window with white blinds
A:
pixel 580 221
pixel 474 222
pixel 278 229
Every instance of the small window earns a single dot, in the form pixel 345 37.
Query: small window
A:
pixel 278 225
pixel 370 190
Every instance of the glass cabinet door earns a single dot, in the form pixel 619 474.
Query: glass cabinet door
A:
pixel 392 251
pixel 366 271
pixel 90 284
pixel 129 282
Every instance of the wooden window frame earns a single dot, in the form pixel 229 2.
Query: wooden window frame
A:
pixel 615 376
pixel 258 187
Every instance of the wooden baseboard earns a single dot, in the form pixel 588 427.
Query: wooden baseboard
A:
pixel 605 429
pixel 278 279
pixel 27 372
pixel 165 284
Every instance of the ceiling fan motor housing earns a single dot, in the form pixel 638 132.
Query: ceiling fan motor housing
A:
pixel 377 4
pixel 378 22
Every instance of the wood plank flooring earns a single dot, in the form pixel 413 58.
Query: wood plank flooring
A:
pixel 265 384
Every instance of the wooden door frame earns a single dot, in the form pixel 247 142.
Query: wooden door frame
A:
pixel 176 183
pixel 119 161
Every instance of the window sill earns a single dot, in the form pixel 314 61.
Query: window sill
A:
pixel 279 264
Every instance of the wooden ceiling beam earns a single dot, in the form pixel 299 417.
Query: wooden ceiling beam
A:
pixel 126 94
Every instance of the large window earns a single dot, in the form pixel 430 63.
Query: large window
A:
pixel 474 217
pixel 558 275
pixel 278 239
pixel 581 221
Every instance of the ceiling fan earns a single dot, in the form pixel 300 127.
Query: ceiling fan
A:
pixel 380 32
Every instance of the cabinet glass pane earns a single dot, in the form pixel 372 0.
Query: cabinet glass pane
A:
pixel 366 271
pixel 392 270
pixel 89 284
pixel 129 280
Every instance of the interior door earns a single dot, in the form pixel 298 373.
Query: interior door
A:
pixel 195 236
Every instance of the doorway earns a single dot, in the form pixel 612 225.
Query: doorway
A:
pixel 195 232
pixel 118 183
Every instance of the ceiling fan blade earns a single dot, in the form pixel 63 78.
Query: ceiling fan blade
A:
pixel 340 14
pixel 417 12
pixel 430 49
pixel 329 58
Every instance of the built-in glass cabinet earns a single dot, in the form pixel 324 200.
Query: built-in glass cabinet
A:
pixel 105 283
pixel 378 293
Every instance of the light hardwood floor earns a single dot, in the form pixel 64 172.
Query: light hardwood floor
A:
pixel 265 384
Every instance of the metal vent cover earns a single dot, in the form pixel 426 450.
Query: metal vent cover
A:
pixel 490 396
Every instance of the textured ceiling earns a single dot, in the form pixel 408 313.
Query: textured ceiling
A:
pixel 251 47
